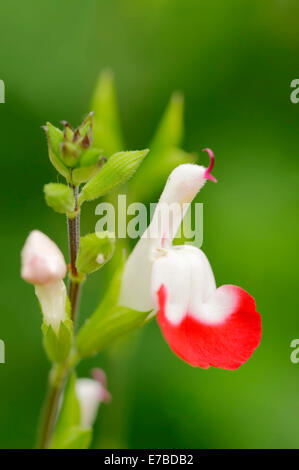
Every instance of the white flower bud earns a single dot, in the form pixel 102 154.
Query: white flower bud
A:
pixel 42 261
pixel 90 394
pixel 44 266
pixel 52 298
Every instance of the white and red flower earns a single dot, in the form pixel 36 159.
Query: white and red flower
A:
pixel 204 325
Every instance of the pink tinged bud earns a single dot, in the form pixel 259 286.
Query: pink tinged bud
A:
pixel 42 261
pixel 89 393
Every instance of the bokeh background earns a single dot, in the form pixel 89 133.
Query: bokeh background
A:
pixel 234 62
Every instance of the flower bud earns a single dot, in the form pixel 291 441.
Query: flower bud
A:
pixel 71 151
pixel 43 265
pixel 90 394
pixel 42 261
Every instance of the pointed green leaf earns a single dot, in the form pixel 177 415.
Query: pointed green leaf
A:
pixel 100 333
pixel 68 434
pixel 118 169
pixel 70 413
pixel 165 154
pixel 107 133
pixel 170 131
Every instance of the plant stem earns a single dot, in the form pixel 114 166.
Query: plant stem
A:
pixel 74 239
pixel 59 373
pixel 56 383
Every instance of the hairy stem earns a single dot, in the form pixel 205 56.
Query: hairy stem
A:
pixel 74 239
pixel 59 373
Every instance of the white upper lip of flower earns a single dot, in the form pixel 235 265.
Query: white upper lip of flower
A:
pixel 42 261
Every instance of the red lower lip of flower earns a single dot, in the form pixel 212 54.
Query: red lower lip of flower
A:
pixel 227 345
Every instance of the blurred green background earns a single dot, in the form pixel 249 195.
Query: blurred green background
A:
pixel 234 62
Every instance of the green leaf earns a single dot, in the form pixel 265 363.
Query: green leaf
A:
pixel 58 345
pixel 70 413
pixel 98 333
pixel 55 137
pixel 118 169
pixel 108 322
pixel 76 438
pixel 170 131
pixel 68 434
pixel 165 152
pixel 95 250
pixel 59 197
pixel 107 132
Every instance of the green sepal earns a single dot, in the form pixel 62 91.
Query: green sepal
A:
pixel 90 157
pixel 55 137
pixel 86 129
pixel 85 173
pixel 109 322
pixel 58 344
pixel 95 250
pixel 69 154
pixel 107 129
pixel 118 169
pixel 68 433
pixel 59 197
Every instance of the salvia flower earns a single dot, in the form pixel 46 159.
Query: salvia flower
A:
pixel 43 265
pixel 90 393
pixel 204 325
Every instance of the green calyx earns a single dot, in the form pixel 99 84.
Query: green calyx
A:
pixel 95 250
pixel 58 344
